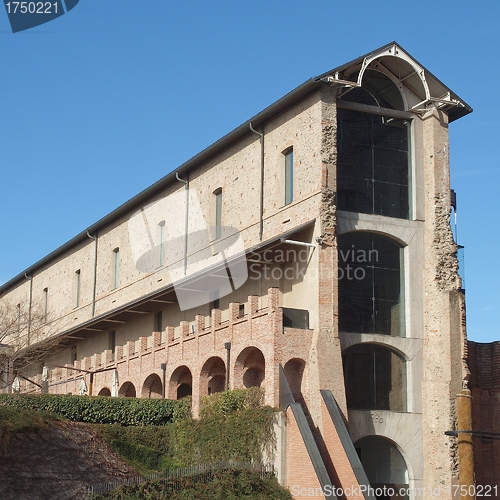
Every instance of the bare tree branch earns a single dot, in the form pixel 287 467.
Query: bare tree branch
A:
pixel 26 336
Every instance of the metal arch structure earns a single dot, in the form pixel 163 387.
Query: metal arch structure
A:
pixel 429 92
pixel 395 51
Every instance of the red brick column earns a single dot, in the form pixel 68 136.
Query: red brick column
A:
pixel 170 333
pixel 200 323
pixel 131 347
pixel 253 304
pixel 215 318
pixel 156 339
pixel 184 329
pixel 234 311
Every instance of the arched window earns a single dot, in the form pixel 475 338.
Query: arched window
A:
pixel 370 284
pixel 127 390
pixel 375 378
pixel 250 368
pixel 213 376
pixel 373 151
pixel 181 383
pixel 384 465
pixel 152 387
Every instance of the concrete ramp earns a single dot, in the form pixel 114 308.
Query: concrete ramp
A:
pixel 344 461
pixel 306 473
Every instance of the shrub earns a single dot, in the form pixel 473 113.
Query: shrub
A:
pixel 104 410
pixel 230 484
pixel 228 402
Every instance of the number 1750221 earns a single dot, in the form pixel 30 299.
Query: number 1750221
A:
pixel 31 7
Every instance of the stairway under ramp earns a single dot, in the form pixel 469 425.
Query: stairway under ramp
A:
pixel 321 465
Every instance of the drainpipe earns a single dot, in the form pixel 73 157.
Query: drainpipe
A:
pixel 261 215
pixel 186 226
pixel 164 370
pixel 29 306
pixel 465 447
pixel 95 270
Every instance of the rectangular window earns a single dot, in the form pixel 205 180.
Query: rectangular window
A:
pixel 288 176
pixel 218 214
pixel 76 293
pixel 373 161
pixel 161 242
pixel 159 321
pixel 116 267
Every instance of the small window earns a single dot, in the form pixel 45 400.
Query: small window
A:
pixel 288 177
pixel 77 285
pixel 295 318
pixel 159 321
pixel 112 344
pixel 217 232
pixel 116 267
pixel 161 245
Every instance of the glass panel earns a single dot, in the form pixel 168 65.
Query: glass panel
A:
pixel 373 164
pixel 376 90
pixel 355 195
pixel 383 463
pixel 374 378
pixel 370 284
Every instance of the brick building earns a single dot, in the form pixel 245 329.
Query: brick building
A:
pixel 484 364
pixel 308 251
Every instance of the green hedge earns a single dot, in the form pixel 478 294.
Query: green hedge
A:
pixel 104 410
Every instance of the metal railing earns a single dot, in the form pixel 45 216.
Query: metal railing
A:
pixel 203 473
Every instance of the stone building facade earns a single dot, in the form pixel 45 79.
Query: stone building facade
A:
pixel 309 250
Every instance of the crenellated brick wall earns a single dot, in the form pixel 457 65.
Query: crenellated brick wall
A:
pixel 258 342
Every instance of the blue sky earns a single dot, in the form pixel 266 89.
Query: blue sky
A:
pixel 100 103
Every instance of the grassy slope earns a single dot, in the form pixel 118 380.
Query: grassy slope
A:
pixel 14 420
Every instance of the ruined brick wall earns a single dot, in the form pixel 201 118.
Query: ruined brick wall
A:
pixel 484 365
